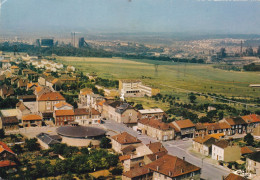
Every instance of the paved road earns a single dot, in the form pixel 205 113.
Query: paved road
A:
pixel 177 148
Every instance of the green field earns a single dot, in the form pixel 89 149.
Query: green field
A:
pixel 171 76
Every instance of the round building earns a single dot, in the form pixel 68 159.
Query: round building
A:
pixel 76 135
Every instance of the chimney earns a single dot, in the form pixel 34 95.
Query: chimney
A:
pixel 170 173
pixel 182 170
pixel 150 142
pixel 156 157
pixel 183 158
pixel 157 168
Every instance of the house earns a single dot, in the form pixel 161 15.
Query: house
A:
pixel 252 120
pixel 7 157
pixel 71 68
pixel 40 90
pixel 32 86
pixel 6 64
pixel 246 150
pixel 167 167
pixel 185 127
pixel 120 112
pixel 68 79
pixel 46 81
pixel 22 83
pixel 203 145
pixel 150 148
pixel 135 88
pixel 46 102
pixel 14 69
pixel 32 120
pixel 22 109
pixel 224 151
pixel 85 117
pixel 6 91
pixel 232 176
pixel 92 100
pixel 63 117
pixel 238 125
pixel 47 140
pixel 9 119
pixel 218 127
pixel 155 128
pixel 83 95
pixel 63 106
pixel 253 163
pixel 149 113
pixel 123 140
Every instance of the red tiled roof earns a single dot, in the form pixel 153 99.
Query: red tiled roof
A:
pixel 252 118
pixel 235 121
pixel 246 150
pixel 61 104
pixel 51 96
pixel 136 172
pixel 222 143
pixel 217 126
pixel 156 123
pixel 64 112
pixel 202 140
pixel 232 176
pixel 31 117
pixel 124 157
pixel 125 138
pixel 184 123
pixel 4 147
pixel 172 166
pixel 14 67
pixel 156 147
pixel 7 163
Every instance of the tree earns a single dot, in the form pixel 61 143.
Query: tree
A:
pixel 192 98
pixel 220 115
pixel 2 133
pixel 139 106
pixel 17 149
pixel 105 143
pixel 31 144
pixel 249 139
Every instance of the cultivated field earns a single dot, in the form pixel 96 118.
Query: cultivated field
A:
pixel 171 77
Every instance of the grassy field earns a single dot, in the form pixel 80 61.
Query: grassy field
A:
pixel 171 77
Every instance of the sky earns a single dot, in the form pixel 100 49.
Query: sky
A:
pixel 215 16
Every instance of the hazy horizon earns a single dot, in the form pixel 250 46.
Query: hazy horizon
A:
pixel 135 16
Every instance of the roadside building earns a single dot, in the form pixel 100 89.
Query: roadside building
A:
pixel 238 125
pixel 62 106
pixel 83 96
pixel 247 150
pixel 225 151
pixel 185 128
pixel 203 145
pixel 232 176
pixel 252 120
pixel 46 102
pixel 32 120
pixel 149 113
pixel 120 112
pixel 155 128
pixel 63 117
pixel 166 167
pixel 9 119
pixel 218 127
pixel 123 140
pixel 22 109
pixel 85 117
pixel 46 140
pixel 253 163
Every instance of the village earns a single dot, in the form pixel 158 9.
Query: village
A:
pixel 48 103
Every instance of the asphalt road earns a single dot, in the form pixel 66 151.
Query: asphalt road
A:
pixel 177 148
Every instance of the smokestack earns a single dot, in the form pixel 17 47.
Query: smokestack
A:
pixel 183 158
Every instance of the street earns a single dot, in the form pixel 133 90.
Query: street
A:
pixel 177 148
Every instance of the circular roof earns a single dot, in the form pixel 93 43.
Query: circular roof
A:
pixel 80 131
